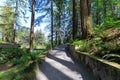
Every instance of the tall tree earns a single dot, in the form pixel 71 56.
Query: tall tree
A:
pixel 74 19
pixel 19 7
pixel 6 23
pixel 52 23
pixel 62 17
pixel 59 13
pixel 89 18
pixel 97 13
pixel 84 13
pixel 86 18
pixel 104 8
pixel 112 7
pixel 15 19
pixel 59 18
pixel 32 26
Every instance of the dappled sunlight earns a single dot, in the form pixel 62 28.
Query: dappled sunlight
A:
pixel 40 39
pixel 65 69
pixel 59 65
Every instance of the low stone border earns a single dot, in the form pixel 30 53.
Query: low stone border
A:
pixel 9 45
pixel 102 69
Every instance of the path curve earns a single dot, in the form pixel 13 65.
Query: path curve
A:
pixel 59 65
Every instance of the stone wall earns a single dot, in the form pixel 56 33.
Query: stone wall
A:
pixel 9 45
pixel 102 69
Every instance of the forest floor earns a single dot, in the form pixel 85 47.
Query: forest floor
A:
pixel 60 65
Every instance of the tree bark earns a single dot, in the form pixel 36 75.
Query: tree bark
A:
pixel 56 33
pixel 112 8
pixel 97 21
pixel 15 19
pixel 84 14
pixel 86 18
pixel 74 19
pixel 59 24
pixel 32 26
pixel 89 19
pixel 104 8
pixel 52 23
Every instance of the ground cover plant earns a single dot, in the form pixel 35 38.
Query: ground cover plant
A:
pixel 19 64
pixel 105 43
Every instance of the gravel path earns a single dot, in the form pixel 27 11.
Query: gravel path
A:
pixel 59 65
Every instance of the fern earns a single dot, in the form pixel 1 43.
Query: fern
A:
pixel 111 55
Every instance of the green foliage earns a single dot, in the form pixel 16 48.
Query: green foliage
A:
pixel 34 44
pixel 83 45
pixel 2 42
pixel 18 55
pixel 24 66
pixel 6 23
pixel 77 42
pixel 112 57
pixel 110 22
pixel 7 54
pixel 29 57
pixel 20 72
pixel 48 46
pixel 104 44
pixel 23 36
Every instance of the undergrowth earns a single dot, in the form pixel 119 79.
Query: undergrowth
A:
pixel 23 63
pixel 105 43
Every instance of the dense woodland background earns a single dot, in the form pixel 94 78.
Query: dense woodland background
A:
pixel 93 26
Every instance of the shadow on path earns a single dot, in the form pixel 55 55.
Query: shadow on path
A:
pixel 52 73
pixel 60 66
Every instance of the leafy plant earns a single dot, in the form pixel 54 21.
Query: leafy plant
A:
pixel 7 54
pixel 23 66
pixel 83 45
pixel 110 22
pixel 112 57
pixel 77 42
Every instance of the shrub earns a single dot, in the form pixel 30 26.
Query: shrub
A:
pixel 83 45
pixel 48 46
pixel 7 54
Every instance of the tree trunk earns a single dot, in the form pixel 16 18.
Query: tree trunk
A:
pixel 74 19
pixel 84 14
pixel 97 21
pixel 89 19
pixel 15 19
pixel 59 25
pixel 63 37
pixel 56 37
pixel 86 18
pixel 112 8
pixel 32 26
pixel 104 7
pixel 52 23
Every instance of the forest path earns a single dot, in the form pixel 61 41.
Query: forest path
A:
pixel 60 65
